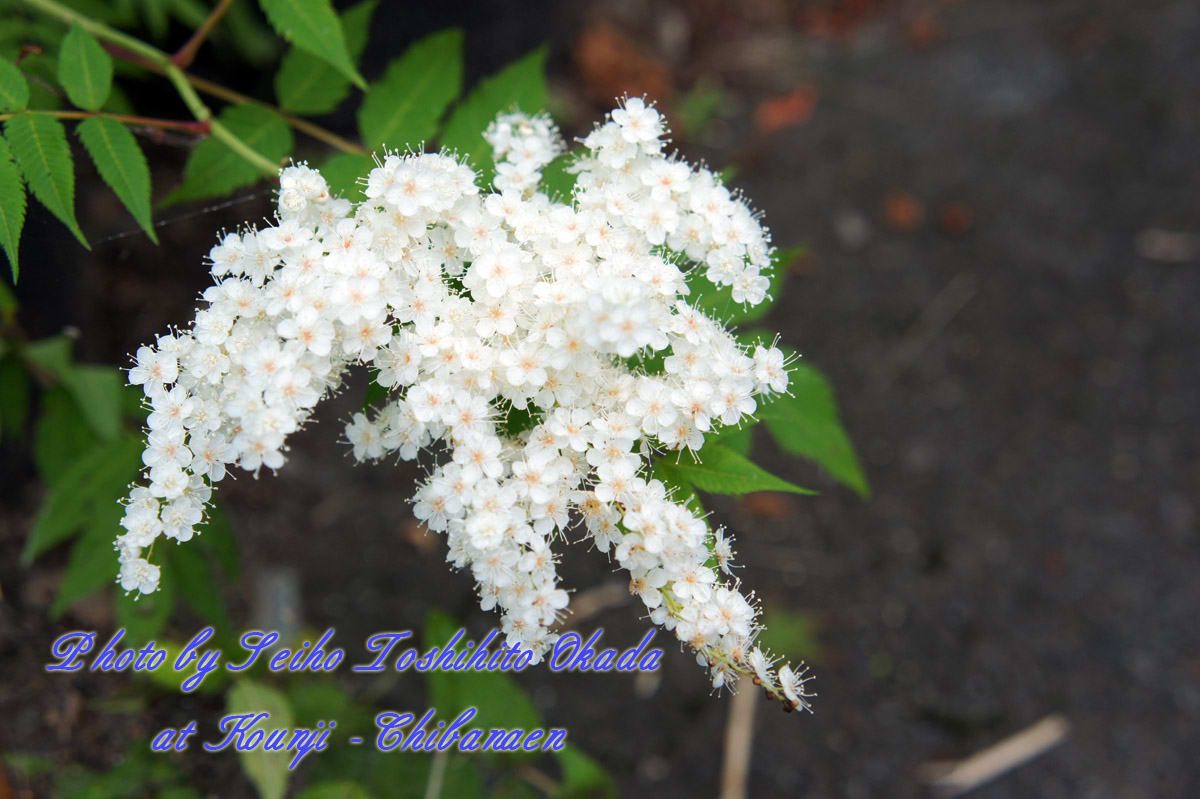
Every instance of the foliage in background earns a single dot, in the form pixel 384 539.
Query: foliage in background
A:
pixel 62 69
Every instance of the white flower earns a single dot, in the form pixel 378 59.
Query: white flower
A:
pixel 507 327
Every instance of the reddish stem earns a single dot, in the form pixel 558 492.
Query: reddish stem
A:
pixel 186 54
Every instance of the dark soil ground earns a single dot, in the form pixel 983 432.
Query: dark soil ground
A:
pixel 1016 353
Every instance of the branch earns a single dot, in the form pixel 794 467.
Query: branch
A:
pixel 173 73
pixel 186 54
pixel 198 128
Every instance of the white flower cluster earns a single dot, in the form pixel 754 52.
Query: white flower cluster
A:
pixel 476 309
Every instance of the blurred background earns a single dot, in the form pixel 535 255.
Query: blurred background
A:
pixel 1001 205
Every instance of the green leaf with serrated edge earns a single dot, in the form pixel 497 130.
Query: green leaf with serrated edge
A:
pixel 14 89
pixel 582 777
pixel 305 84
pixel 806 423
pixel 342 172
pixel 12 209
pixel 39 145
pixel 93 563
pixel 718 302
pixel 339 789
pixel 85 70
pixel 312 25
pixel 213 169
pixel 497 698
pixel 196 584
pixel 267 770
pixel 722 471
pixel 120 161
pixel 521 84
pixel 145 615
pixel 60 434
pixel 98 476
pixel 14 397
pixel 404 106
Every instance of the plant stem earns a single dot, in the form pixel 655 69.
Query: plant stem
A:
pixel 185 55
pixel 172 72
pixel 186 126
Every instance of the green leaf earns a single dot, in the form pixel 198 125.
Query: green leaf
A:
pixel 342 172
pixel 737 439
pixel 196 583
pixel 793 635
pixel 39 144
pixel 404 106
pixel 121 163
pixel 497 697
pixel 93 563
pixel 582 776
pixel 521 84
pixel 84 69
pixel 806 423
pixel 340 789
pixel 313 26
pixel 216 536
pixel 12 207
pixel 723 471
pixel 305 84
pixel 267 770
pixel 679 489
pixel 215 170
pixel 97 477
pixel 60 435
pixel 14 397
pixel 14 89
pixel 717 301
pixel 96 389
pixel 144 615
pixel 375 393
pixel 557 182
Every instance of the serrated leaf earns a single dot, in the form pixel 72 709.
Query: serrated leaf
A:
pixel 312 25
pixel 85 70
pixel 14 398
pixel 213 169
pixel 39 145
pixel 305 84
pixel 96 477
pixel 196 584
pixel 723 471
pixel 60 435
pixel 12 208
pixel 121 164
pixel 806 423
pixel 403 107
pixel 737 439
pixel 342 172
pixel 93 563
pixel 144 615
pixel 717 301
pixel 521 84
pixel 267 770
pixel 14 89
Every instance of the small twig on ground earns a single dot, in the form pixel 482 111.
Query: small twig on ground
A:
pixel 936 316
pixel 739 740
pixel 954 779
